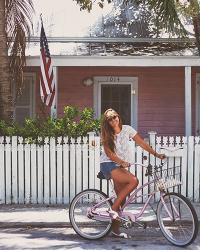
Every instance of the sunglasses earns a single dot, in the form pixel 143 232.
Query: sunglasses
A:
pixel 112 118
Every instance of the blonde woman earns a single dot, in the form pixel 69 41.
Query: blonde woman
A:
pixel 114 160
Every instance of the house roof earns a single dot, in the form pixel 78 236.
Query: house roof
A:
pixel 101 46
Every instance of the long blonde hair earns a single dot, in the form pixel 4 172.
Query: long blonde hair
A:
pixel 107 132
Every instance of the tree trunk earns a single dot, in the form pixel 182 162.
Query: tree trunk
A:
pixel 196 23
pixel 6 107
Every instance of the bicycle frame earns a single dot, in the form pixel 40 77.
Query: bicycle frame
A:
pixel 135 216
pixel 132 216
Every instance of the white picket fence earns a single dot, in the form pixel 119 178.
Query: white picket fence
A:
pixel 53 173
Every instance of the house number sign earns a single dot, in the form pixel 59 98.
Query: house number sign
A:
pixel 114 79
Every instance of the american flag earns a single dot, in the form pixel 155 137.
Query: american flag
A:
pixel 47 79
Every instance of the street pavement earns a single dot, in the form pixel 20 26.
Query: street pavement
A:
pixel 36 227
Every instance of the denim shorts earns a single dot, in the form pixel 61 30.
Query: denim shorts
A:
pixel 107 167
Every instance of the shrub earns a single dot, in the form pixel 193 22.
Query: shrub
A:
pixel 74 123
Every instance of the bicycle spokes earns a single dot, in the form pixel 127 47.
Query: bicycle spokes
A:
pixel 89 216
pixel 177 219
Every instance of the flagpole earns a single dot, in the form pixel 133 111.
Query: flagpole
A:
pixel 41 18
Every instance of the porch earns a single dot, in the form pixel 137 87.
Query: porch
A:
pixel 163 91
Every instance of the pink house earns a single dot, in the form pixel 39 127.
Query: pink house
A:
pixel 152 93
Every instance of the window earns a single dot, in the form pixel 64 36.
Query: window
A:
pixel 25 103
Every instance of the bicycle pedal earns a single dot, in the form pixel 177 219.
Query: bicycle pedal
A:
pixel 142 224
pixel 127 224
pixel 90 216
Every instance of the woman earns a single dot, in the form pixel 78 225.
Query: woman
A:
pixel 114 160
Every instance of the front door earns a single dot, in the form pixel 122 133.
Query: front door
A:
pixel 119 93
pixel 118 97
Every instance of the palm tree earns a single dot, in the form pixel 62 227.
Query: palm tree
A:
pixel 15 25
pixel 174 16
pixel 170 15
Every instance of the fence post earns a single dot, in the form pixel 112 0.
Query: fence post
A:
pixel 8 170
pixel 53 145
pixel 190 167
pixel 196 168
pixel 40 171
pixel 59 182
pixel 152 159
pixel 2 171
pixel 91 160
pixel 33 174
pixel 46 171
pixel 85 163
pixel 152 139
pixel 27 171
pixel 72 169
pixel 66 177
pixel 14 179
pixel 152 143
pixel 21 177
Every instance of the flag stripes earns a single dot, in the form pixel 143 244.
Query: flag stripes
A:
pixel 47 79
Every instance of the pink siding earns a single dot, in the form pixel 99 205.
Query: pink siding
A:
pixel 161 103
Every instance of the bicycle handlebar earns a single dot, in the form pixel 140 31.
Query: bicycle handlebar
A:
pixel 171 149
pixel 143 165
pixel 149 167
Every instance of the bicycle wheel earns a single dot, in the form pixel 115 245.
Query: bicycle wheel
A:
pixel 90 225
pixel 177 219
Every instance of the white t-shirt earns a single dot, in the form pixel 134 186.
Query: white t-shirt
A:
pixel 122 143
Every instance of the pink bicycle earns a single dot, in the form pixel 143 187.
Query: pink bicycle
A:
pixel 176 216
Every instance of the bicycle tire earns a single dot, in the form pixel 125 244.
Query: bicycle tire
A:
pixel 72 219
pixel 191 210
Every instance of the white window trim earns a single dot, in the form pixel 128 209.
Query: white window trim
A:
pixel 32 100
pixel 133 81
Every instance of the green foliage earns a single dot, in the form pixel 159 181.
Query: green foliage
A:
pixel 87 4
pixel 74 123
pixel 168 15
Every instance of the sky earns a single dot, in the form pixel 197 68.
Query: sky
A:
pixel 64 18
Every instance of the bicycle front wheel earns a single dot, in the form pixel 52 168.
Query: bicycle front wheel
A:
pixel 177 219
pixel 88 214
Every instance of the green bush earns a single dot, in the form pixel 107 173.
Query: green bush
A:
pixel 74 123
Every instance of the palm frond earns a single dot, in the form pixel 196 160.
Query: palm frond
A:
pixel 167 15
pixel 18 26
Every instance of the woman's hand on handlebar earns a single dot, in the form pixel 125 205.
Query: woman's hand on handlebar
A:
pixel 161 156
pixel 125 164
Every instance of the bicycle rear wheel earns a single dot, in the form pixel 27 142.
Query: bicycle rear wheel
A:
pixel 86 222
pixel 177 219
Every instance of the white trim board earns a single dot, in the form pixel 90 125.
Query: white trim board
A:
pixel 119 61
pixel 197 122
pixel 188 102
pixel 133 81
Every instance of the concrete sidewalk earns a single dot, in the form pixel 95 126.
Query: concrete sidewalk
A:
pixel 14 216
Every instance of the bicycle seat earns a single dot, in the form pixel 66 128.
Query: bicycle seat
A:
pixel 100 176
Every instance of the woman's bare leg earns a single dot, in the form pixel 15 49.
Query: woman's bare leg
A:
pixel 124 184
pixel 128 180
pixel 118 187
pixel 115 223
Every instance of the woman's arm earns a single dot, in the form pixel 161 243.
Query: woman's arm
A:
pixel 115 158
pixel 138 139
